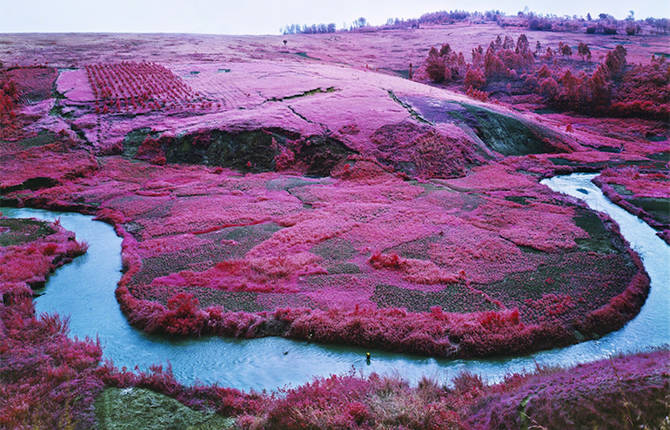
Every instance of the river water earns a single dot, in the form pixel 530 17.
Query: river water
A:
pixel 84 291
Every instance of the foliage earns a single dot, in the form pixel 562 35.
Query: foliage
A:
pixel 624 392
pixel 611 88
pixel 8 106
pixel 445 65
pixel 47 379
pixel 308 29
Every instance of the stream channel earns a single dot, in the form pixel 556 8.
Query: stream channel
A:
pixel 84 291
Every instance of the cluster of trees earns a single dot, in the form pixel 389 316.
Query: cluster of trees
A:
pixel 359 23
pixel 660 25
pixel 643 90
pixel 608 29
pixel 603 24
pixel 537 23
pixel 444 17
pixel 435 18
pixel 397 23
pixel 611 88
pixel 309 29
pixel 503 59
pixel 445 65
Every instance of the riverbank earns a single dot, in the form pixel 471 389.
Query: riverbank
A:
pixel 290 256
pixel 429 402
pixel 272 362
pixel 52 380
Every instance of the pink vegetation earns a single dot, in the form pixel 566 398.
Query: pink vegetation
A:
pixel 611 88
pixel 622 392
pixel 50 380
pixel 30 262
pixel 210 251
pixel 27 169
pixel 643 192
pixel 8 96
pixel 22 87
pixel 46 377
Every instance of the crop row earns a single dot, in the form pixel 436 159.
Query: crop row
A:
pixel 141 87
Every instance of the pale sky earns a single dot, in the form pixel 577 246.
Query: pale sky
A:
pixel 267 16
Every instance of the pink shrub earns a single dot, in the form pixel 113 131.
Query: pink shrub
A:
pixel 413 270
pixel 350 402
pixel 474 78
pixel 8 107
pixel 477 94
pixel 151 151
pixel 47 379
pixel 594 394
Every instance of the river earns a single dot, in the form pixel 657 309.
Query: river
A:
pixel 84 291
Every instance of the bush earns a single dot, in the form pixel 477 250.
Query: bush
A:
pixel 494 68
pixel 435 66
pixel 616 62
pixel 474 78
pixel 445 65
pixel 539 24
pixel 549 88
pixel 8 107
pixel 584 51
pixel 477 94
pixel 564 49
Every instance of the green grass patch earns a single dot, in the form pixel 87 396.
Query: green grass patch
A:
pixel 658 208
pixel 139 408
pixel 453 298
pixel 17 231
pixel 505 134
pixel 303 94
pixel 600 239
pixel 416 115
pixel 334 249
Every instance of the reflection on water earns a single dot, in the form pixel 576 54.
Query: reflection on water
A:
pixel 84 290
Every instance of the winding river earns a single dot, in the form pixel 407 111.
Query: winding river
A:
pixel 84 290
